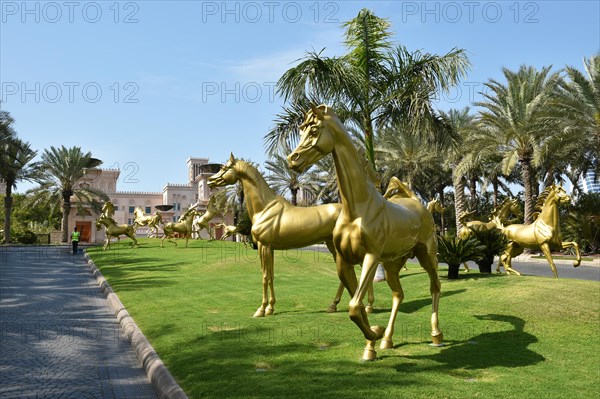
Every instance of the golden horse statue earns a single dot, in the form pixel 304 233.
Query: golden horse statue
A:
pixel 369 228
pixel 277 224
pixel 183 226
pixel 108 210
pixel 502 211
pixel 215 207
pixel 115 230
pixel 544 233
pixel 229 231
pixel 147 220
pixel 435 206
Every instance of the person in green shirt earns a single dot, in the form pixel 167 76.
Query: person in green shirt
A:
pixel 75 239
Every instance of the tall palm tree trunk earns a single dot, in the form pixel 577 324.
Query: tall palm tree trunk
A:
pixel 526 176
pixel 459 199
pixel 8 200
pixel 294 192
pixel 66 209
pixel 495 191
pixel 441 194
pixel 473 193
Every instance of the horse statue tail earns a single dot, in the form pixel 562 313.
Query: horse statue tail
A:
pixel 498 222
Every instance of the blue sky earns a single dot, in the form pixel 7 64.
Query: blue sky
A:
pixel 146 84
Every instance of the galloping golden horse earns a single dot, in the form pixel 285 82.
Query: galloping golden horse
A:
pixel 151 221
pixel 228 231
pixel 215 207
pixel 544 233
pixel 115 230
pixel 184 226
pixel 277 224
pixel 502 211
pixel 369 228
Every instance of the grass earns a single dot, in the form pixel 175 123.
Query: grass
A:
pixel 506 337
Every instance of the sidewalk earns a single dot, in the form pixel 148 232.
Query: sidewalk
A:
pixel 58 336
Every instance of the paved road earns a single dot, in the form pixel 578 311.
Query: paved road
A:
pixel 58 337
pixel 540 267
pixel 526 265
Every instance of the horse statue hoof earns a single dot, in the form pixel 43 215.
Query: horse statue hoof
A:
pixel 369 355
pixel 332 308
pixel 369 309
pixel 438 339
pixel 386 344
pixel 259 313
pixel 269 311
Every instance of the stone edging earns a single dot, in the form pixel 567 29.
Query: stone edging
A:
pixel 162 381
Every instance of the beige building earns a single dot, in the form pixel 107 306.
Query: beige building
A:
pixel 181 196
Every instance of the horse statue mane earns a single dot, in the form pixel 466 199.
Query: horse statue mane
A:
pixel 541 200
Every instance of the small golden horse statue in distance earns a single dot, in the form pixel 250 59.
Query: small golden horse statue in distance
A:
pixel 435 206
pixel 544 233
pixel 215 207
pixel 147 220
pixel 183 226
pixel 277 224
pixel 229 231
pixel 369 228
pixel 502 211
pixel 115 230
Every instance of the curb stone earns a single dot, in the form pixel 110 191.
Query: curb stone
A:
pixel 161 379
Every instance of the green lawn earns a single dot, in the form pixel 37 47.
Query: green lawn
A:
pixel 506 337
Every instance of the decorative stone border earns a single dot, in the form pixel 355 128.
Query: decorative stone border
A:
pixel 163 382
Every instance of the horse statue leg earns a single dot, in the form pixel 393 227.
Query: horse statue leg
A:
pixel 512 249
pixel 392 276
pixel 357 310
pixel 545 247
pixel 266 264
pixel 338 297
pixel 573 244
pixel 428 260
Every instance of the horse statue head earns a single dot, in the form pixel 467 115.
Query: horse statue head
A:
pixel 315 140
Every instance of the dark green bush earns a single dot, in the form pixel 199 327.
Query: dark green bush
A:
pixel 494 243
pixel 25 237
pixel 454 251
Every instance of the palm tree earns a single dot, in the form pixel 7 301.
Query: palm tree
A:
pixel 405 156
pixel 459 123
pixel 514 121
pixel 282 179
pixel 373 86
pixel 16 160
pixel 61 169
pixel 576 108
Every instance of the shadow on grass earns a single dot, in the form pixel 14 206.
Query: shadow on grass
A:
pixel 507 348
pixel 256 361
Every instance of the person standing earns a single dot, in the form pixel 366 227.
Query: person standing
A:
pixel 75 239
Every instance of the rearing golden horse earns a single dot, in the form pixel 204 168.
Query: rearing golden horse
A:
pixel 277 224
pixel 544 233
pixel 147 220
pixel 369 228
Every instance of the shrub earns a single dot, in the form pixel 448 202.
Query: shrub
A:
pixel 454 251
pixel 494 243
pixel 25 237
